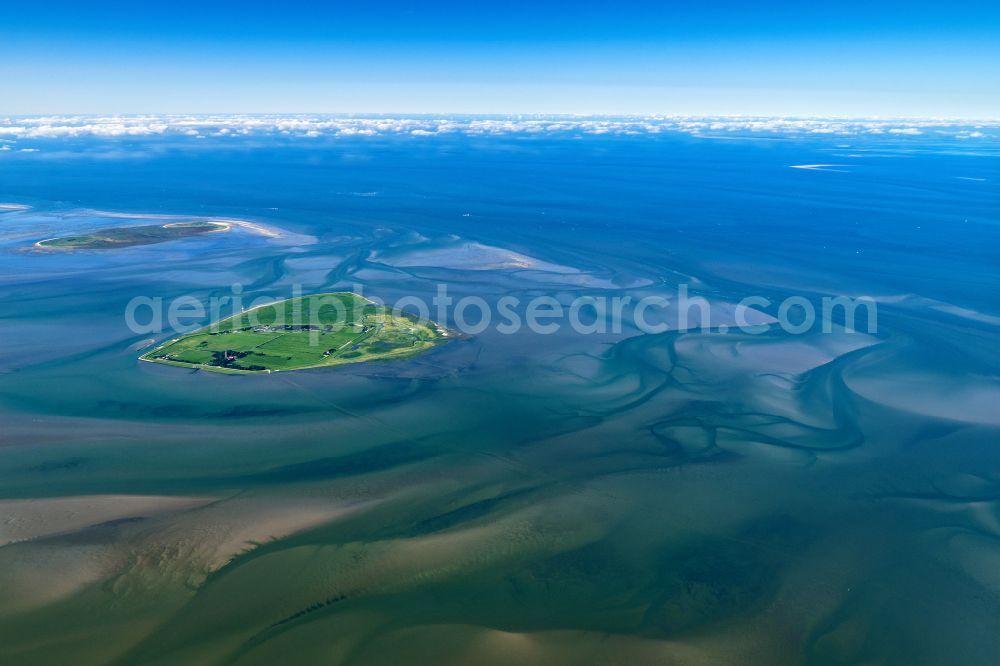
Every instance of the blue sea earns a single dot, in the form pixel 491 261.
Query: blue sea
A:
pixel 805 492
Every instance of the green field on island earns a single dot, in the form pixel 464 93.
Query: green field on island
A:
pixel 105 239
pixel 307 332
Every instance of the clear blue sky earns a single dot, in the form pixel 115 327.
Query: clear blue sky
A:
pixel 769 58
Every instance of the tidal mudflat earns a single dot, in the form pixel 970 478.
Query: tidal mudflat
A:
pixel 695 496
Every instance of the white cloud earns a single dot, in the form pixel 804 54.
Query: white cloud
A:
pixel 63 127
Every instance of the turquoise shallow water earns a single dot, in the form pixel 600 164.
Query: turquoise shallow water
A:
pixel 696 496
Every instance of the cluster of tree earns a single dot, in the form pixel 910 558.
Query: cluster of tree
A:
pixel 226 358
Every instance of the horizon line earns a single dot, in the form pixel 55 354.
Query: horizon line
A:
pixel 518 114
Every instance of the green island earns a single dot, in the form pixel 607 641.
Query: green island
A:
pixel 115 237
pixel 313 331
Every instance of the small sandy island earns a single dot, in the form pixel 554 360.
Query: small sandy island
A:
pixel 253 227
pixel 456 253
pixel 821 167
pixel 118 237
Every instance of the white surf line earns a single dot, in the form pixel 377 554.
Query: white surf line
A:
pixel 220 226
pixel 978 180
pixel 260 229
pixel 821 167
pixel 14 206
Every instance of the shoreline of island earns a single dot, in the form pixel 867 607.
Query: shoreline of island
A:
pixel 384 338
